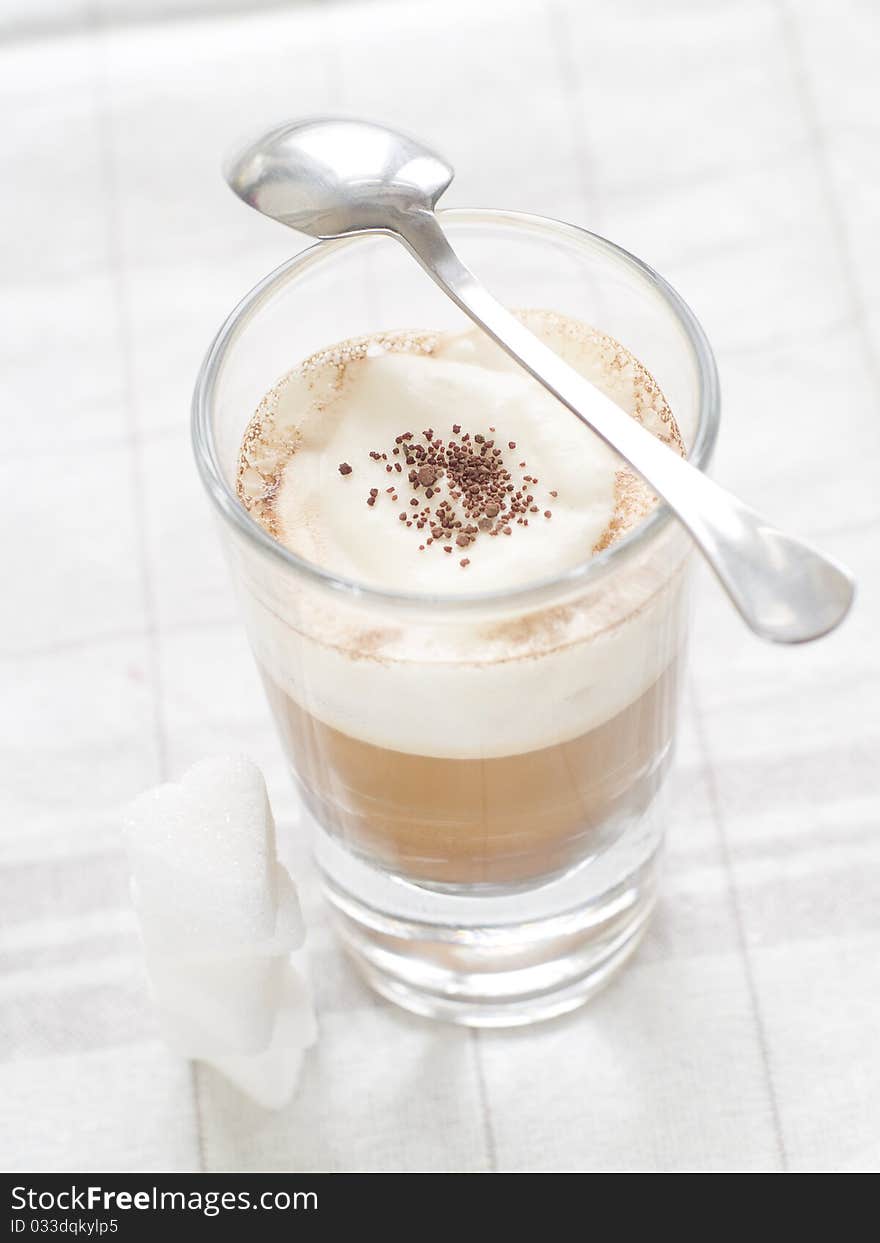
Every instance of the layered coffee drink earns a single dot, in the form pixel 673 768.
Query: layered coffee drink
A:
pixel 443 722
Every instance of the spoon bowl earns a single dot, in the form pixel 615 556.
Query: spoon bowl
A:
pixel 329 177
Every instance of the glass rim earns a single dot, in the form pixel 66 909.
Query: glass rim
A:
pixel 585 572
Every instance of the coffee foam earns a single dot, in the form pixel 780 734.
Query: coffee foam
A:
pixel 481 688
pixel 356 399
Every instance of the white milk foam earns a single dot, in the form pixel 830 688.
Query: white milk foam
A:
pixel 457 693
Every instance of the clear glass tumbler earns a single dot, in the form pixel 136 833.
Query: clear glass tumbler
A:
pixel 483 773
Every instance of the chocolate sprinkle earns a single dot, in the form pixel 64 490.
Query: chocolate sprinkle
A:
pixel 459 489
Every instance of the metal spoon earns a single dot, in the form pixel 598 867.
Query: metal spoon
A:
pixel 331 177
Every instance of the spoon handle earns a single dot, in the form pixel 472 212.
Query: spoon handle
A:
pixel 785 590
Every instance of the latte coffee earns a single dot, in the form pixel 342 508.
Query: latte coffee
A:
pixel 505 745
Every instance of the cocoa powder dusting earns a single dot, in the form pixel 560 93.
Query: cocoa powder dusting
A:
pixel 461 487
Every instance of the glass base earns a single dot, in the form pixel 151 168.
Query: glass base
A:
pixel 500 960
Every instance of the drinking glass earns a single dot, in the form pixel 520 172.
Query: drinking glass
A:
pixel 484 773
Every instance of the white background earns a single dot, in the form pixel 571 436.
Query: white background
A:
pixel 731 145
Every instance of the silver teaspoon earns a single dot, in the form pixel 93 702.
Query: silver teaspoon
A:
pixel 330 177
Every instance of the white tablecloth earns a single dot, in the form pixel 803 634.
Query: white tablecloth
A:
pixel 733 146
